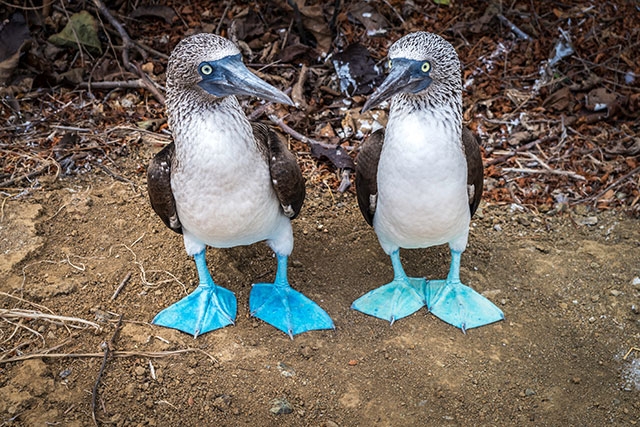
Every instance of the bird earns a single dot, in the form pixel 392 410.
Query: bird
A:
pixel 226 182
pixel 419 181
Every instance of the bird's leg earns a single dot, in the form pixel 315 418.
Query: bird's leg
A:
pixel 458 304
pixel 207 308
pixel 283 307
pixel 395 300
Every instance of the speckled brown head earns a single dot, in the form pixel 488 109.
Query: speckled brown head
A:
pixel 424 69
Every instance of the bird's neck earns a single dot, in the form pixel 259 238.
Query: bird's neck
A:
pixel 446 104
pixel 430 110
pixel 194 119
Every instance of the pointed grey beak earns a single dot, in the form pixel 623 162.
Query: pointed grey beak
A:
pixel 229 76
pixel 404 77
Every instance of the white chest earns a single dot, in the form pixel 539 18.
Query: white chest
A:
pixel 422 184
pixel 221 183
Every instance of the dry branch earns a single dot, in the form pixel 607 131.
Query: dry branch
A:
pixel 127 45
pixel 17 313
pixel 108 348
pixel 151 354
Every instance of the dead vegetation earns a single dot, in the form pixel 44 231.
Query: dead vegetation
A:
pixel 553 92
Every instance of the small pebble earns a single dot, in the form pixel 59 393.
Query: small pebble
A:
pixel 281 406
pixel 529 392
pixel 576 380
pixel 497 227
pixel 139 370
pixel 615 292
pixel 286 370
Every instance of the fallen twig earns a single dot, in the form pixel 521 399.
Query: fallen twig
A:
pixel 631 350
pixel 520 149
pixel 153 354
pixel 108 347
pixel 121 286
pixel 613 185
pixel 546 171
pixel 31 174
pixel 128 44
pixel 518 32
pixel 16 313
pixel 341 160
pixel 297 135
pixel 114 84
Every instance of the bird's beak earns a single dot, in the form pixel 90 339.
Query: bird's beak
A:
pixel 403 78
pixel 231 77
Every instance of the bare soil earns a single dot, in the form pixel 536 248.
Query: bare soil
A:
pixel 568 284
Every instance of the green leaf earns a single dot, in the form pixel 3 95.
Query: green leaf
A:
pixel 82 29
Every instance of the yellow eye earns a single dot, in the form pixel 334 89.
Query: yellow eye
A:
pixel 390 63
pixel 206 69
pixel 426 66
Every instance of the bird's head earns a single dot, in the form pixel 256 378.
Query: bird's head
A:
pixel 207 63
pixel 419 63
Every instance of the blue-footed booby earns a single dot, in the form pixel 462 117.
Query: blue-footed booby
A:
pixel 419 181
pixel 227 182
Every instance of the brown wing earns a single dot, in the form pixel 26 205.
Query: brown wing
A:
pixel 475 171
pixel 159 188
pixel 367 174
pixel 286 176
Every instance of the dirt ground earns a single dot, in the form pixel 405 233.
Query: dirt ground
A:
pixel 82 249
pixel 568 284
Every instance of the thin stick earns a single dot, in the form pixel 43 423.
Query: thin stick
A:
pixel 36 172
pixel 519 149
pixel 155 355
pixel 631 350
pixel 615 184
pixel 300 137
pixel 122 284
pixel 31 314
pixel 521 34
pixel 128 44
pixel 547 172
pixel 108 347
pixel 114 84
pixel 222 17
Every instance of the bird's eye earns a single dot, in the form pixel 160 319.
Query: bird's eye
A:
pixel 206 69
pixel 426 66
pixel 390 63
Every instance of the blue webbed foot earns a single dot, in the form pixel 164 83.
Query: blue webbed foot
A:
pixel 394 300
pixel 207 308
pixel 458 304
pixel 283 307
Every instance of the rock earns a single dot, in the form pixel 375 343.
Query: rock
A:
pixel 615 292
pixel 281 406
pixel 286 370
pixel 587 220
pixel 139 370
pixel 222 402
pixel 529 392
